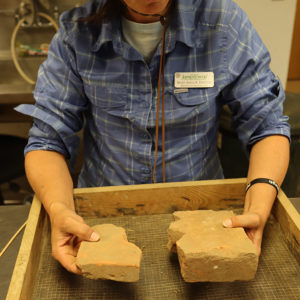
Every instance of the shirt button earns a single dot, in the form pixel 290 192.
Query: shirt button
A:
pixel 144 135
pixel 146 170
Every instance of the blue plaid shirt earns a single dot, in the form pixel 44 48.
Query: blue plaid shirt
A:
pixel 93 79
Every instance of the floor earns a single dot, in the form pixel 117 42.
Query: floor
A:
pixel 8 227
pixel 17 191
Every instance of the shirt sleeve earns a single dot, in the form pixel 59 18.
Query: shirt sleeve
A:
pixel 255 95
pixel 60 101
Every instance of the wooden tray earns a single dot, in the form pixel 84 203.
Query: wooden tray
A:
pixel 141 200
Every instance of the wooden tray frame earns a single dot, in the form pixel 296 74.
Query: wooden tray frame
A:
pixel 142 200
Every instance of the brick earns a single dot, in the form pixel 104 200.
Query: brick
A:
pixel 209 252
pixel 112 257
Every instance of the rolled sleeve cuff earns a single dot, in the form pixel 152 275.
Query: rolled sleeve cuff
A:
pixel 49 133
pixel 43 144
pixel 284 130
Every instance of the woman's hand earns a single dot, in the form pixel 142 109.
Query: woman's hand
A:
pixel 253 225
pixel 269 158
pixel 67 231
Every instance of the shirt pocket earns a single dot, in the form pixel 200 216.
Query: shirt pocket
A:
pixel 193 99
pixel 107 96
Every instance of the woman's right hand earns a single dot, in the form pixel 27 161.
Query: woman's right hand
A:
pixel 67 231
pixel 49 176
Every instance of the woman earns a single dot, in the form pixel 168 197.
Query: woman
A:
pixel 122 69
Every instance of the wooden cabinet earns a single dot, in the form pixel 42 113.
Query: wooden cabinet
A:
pixel 294 68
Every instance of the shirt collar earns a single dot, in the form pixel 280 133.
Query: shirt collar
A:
pixel 185 23
pixel 106 34
pixel 182 28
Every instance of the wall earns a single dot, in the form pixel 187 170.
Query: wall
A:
pixel 7 21
pixel 13 88
pixel 274 21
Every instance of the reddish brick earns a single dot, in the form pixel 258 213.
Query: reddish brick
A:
pixel 112 257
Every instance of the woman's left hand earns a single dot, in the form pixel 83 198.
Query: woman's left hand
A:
pixel 253 225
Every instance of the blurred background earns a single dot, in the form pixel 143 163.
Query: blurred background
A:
pixel 27 27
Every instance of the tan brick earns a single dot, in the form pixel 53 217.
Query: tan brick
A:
pixel 209 252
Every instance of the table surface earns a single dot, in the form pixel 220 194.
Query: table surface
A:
pixel 11 218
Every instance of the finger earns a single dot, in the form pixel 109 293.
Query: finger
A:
pixel 257 243
pixel 68 262
pixel 246 221
pixel 66 258
pixel 76 248
pixel 73 245
pixel 256 237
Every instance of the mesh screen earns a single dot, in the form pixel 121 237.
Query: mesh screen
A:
pixel 278 275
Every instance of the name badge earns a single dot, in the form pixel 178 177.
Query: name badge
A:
pixel 194 80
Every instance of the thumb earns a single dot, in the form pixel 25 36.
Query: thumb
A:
pixel 250 220
pixel 83 232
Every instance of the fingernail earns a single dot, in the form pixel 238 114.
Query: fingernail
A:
pixel 94 237
pixel 227 223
